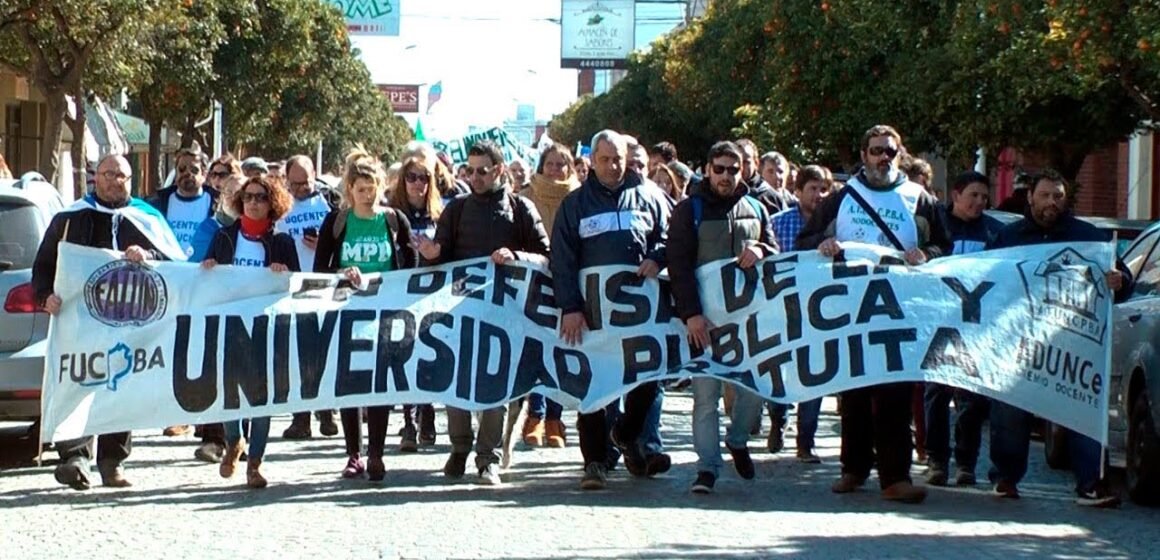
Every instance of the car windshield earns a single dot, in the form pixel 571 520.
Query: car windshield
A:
pixel 20 234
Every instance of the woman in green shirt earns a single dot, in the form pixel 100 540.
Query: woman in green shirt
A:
pixel 363 238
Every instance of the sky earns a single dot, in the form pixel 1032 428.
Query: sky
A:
pixel 490 57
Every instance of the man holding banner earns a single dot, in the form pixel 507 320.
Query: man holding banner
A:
pixel 108 218
pixel 610 219
pixel 722 221
pixel 879 206
pixel 1049 222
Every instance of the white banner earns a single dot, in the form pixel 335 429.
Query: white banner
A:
pixel 142 346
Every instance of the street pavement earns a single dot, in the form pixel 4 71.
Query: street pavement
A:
pixel 180 508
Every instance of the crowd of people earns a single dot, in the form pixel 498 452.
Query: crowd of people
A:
pixel 624 204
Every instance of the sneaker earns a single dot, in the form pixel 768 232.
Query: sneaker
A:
pixel 555 432
pixel 455 466
pixel 533 432
pixel 326 424
pixel 73 473
pixel 298 430
pixel 634 460
pixel 489 475
pixel 209 452
pixel 175 431
pixel 742 462
pixel 965 477
pixel 704 483
pixel 354 467
pixel 775 442
pixel 936 475
pixel 848 483
pixel 1097 498
pixel 904 492
pixel 409 442
pixel 808 456
pixel 657 464
pixel 595 477
pixel 1004 489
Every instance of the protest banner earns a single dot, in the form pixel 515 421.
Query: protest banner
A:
pixel 140 346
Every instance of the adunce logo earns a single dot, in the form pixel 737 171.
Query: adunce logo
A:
pixel 1067 291
pixel 123 294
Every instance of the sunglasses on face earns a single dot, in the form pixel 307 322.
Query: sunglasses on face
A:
pixel 255 197
pixel 721 169
pixel 416 177
pixel 220 174
pixel 877 151
pixel 481 171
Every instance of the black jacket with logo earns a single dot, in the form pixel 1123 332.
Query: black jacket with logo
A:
pixel 280 248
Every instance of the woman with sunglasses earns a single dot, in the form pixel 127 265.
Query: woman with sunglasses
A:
pixel 364 238
pixel 416 194
pixel 251 241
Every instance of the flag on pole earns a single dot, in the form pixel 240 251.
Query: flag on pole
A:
pixel 419 131
pixel 434 94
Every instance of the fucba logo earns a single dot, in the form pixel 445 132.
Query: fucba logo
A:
pixel 108 368
pixel 1067 291
pixel 124 294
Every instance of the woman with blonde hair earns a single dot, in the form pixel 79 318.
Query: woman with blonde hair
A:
pixel 362 238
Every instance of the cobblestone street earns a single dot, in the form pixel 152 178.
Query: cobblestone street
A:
pixel 181 508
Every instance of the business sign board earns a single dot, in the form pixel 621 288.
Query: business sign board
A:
pixel 597 34
pixel 370 17
pixel 403 98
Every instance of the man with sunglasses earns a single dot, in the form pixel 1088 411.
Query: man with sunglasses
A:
pixel 611 219
pixel 489 222
pixel 879 206
pixel 190 200
pixel 721 222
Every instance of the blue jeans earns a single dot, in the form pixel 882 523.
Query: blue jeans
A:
pixel 259 435
pixel 707 422
pixel 972 412
pixel 650 440
pixel 544 408
pixel 1011 438
pixel 807 421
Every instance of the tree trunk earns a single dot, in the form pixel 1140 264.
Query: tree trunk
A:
pixel 155 172
pixel 77 127
pixel 190 130
pixel 53 135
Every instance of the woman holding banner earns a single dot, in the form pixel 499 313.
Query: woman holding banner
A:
pixel 364 238
pixel 251 241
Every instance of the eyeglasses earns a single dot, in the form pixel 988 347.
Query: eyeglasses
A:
pixel 481 171
pixel 194 169
pixel 255 197
pixel 416 177
pixel 721 169
pixel 220 174
pixel 877 151
pixel 114 176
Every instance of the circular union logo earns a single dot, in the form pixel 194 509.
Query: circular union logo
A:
pixel 123 294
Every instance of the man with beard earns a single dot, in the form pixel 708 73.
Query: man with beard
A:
pixel 879 206
pixel 189 201
pixel 302 223
pixel 108 218
pixel 488 222
pixel 1049 221
pixel 720 222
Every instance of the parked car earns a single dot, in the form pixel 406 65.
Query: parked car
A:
pixel 26 208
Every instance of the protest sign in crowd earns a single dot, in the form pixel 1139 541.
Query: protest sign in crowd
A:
pixel 246 291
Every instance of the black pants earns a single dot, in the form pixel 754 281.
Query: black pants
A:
pixel 377 417
pixel 973 410
pixel 876 424
pixel 594 427
pixel 211 433
pixel 112 449
pixel 421 417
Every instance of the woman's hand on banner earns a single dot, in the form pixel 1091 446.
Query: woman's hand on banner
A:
pixel 1115 280
pixel 279 267
pixel 698 327
pixel 749 257
pixel 648 269
pixel 136 254
pixel 830 248
pixel 428 248
pixel 52 304
pixel 208 264
pixel 503 255
pixel 572 327
pixel 915 257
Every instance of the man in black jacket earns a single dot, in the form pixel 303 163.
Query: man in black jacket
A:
pixel 108 218
pixel 1049 221
pixel 879 206
pixel 488 222
pixel 611 219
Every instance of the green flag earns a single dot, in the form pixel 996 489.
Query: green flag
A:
pixel 419 130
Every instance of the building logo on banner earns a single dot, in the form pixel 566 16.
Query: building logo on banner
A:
pixel 597 33
pixel 1065 291
pixel 370 17
pixel 126 294
pixel 403 98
